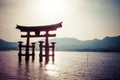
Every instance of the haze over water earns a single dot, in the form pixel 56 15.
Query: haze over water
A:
pixel 67 66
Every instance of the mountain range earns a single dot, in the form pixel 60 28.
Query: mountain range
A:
pixel 110 44
pixel 5 45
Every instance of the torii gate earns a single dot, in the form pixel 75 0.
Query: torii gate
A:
pixel 37 30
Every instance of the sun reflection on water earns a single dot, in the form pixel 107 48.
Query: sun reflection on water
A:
pixel 51 70
pixel 68 66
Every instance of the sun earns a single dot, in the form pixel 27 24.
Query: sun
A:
pixel 48 10
pixel 52 6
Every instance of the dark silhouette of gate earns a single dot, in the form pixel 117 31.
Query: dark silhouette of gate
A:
pixel 37 30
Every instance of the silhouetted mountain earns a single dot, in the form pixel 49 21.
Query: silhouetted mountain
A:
pixel 73 44
pixel 69 44
pixel 4 45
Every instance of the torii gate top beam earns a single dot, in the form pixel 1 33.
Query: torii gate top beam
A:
pixel 39 28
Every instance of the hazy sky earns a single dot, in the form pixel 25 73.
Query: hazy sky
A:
pixel 82 19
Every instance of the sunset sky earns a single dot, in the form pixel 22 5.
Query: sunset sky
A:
pixel 82 19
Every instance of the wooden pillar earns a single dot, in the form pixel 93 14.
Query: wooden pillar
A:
pixel 46 47
pixel 27 47
pixel 20 48
pixel 40 55
pixel 53 49
pixel 33 51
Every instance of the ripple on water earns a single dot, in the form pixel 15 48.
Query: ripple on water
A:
pixel 68 66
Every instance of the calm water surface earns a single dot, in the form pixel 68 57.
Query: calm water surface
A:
pixel 67 66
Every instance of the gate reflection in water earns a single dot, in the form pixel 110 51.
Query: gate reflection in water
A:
pixel 67 66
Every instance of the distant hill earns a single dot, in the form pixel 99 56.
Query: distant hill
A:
pixel 73 44
pixel 4 45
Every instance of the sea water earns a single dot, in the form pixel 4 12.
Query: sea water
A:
pixel 67 66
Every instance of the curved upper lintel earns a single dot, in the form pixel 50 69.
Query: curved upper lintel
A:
pixel 39 28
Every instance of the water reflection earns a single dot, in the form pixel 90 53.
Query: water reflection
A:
pixel 33 70
pixel 68 66
pixel 23 70
pixel 51 70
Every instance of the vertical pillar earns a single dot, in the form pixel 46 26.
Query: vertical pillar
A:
pixel 20 48
pixel 53 49
pixel 40 55
pixel 27 47
pixel 33 51
pixel 46 47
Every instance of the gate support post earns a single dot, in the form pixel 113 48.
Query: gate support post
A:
pixel 20 48
pixel 33 51
pixel 40 55
pixel 53 49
